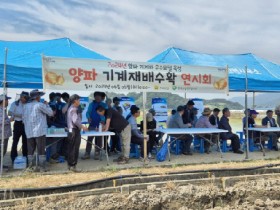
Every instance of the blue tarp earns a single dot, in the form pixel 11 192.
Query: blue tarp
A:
pixel 263 75
pixel 24 60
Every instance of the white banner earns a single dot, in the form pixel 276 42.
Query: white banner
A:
pixel 92 75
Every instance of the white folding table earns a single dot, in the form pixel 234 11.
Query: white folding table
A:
pixel 87 134
pixel 264 130
pixel 169 131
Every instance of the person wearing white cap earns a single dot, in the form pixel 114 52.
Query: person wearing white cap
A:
pixel 7 124
pixel 35 123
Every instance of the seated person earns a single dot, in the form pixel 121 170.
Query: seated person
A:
pixel 273 135
pixel 244 118
pixel 195 112
pixel 136 135
pixel 151 126
pixel 169 117
pixel 224 124
pixel 176 121
pixel 214 118
pixel 251 124
pixel 203 122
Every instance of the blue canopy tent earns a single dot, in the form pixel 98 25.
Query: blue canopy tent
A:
pixel 24 59
pixel 263 75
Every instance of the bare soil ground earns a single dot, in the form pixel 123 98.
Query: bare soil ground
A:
pixel 257 194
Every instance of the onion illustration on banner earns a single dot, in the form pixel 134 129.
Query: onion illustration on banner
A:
pixel 220 84
pixel 54 79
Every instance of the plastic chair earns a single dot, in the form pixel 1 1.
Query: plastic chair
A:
pixel 225 147
pixel 176 146
pixel 134 151
pixel 198 144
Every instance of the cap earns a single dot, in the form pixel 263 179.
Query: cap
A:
pixel 195 109
pixel 152 110
pixel 190 102
pixel 2 97
pixel 253 111
pixel 206 111
pixel 36 93
pixel 23 93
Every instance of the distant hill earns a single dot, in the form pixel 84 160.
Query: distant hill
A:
pixel 262 100
pixel 174 100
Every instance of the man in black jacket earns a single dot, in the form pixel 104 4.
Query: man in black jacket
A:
pixel 214 118
pixel 224 124
pixel 188 115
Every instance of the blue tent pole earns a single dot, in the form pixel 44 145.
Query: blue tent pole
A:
pixel 246 113
pixel 4 111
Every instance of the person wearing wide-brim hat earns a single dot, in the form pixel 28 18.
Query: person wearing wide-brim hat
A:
pixel 7 124
pixel 16 111
pixel 35 123
pixel 203 122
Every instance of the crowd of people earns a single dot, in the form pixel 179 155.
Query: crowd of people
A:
pixel 32 117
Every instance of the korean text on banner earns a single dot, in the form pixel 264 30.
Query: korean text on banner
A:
pixel 86 74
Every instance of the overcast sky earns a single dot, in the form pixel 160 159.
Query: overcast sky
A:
pixel 137 30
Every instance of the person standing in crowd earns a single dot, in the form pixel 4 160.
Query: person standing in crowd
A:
pixel 188 115
pixel 7 125
pixel 116 102
pixel 16 111
pixel 94 119
pixel 176 121
pixel 74 125
pixel 35 124
pixel 224 124
pixel 52 104
pixel 203 122
pixel 117 122
pixel 151 126
pixel 214 118
pixel 116 147
pixel 273 135
pixel 109 102
pixel 65 96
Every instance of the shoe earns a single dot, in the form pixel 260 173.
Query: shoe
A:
pixel 275 148
pixel 150 156
pixel 74 169
pixel 207 151
pixel 124 160
pixel 96 156
pixel 238 151
pixel 86 156
pixel 44 169
pixel 118 159
pixel 187 153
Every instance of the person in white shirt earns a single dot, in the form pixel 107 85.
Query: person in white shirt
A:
pixel 16 111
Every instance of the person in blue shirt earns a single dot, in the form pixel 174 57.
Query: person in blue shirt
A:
pixel 94 119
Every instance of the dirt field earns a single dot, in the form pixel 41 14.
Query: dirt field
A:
pixel 258 194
